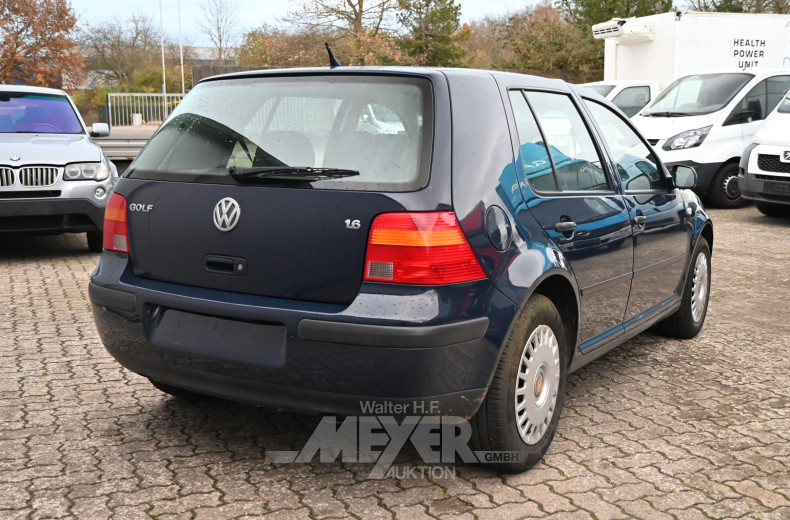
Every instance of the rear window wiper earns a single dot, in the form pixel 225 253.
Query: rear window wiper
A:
pixel 666 114
pixel 300 173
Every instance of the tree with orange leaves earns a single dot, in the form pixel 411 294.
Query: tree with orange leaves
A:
pixel 36 43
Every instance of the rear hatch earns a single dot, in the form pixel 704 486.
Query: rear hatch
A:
pixel 268 185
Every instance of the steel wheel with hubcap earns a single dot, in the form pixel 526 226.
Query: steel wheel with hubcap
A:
pixel 687 321
pixel 522 408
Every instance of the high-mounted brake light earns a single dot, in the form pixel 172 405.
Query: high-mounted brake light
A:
pixel 116 233
pixel 419 248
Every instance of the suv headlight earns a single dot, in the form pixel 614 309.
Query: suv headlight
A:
pixel 97 171
pixel 688 139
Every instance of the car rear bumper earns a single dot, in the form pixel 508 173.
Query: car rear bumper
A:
pixel 394 346
pixel 50 216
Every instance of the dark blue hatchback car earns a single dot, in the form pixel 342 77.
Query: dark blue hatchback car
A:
pixel 314 238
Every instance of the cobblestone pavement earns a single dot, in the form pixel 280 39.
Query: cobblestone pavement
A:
pixel 657 429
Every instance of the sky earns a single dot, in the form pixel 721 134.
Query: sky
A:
pixel 252 13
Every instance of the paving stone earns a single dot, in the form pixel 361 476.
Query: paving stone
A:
pixel 658 428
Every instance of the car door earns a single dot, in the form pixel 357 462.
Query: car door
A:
pixel 661 229
pixel 570 195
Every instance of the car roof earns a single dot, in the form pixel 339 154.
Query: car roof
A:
pixel 32 89
pixel 384 70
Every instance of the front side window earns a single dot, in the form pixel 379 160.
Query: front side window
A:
pixel 298 129
pixel 632 99
pixel 636 165
pixel 22 112
pixel 763 97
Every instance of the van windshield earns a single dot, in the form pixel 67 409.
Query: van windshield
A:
pixel 698 94
pixel 330 132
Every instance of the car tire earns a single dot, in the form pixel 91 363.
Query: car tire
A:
pixel 534 365
pixel 95 241
pixel 724 191
pixel 175 391
pixel 772 210
pixel 687 321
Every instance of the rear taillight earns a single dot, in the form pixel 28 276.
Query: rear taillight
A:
pixel 116 234
pixel 419 248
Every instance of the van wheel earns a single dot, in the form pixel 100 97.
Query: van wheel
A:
pixel 175 391
pixel 724 191
pixel 773 210
pixel 522 408
pixel 687 321
pixel 95 239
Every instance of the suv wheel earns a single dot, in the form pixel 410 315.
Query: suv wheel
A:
pixel 687 321
pixel 772 210
pixel 95 239
pixel 724 191
pixel 522 408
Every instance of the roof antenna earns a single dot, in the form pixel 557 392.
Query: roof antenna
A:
pixel 332 60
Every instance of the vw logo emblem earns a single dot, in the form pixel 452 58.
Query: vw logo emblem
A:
pixel 226 214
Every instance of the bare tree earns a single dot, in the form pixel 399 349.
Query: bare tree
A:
pixel 220 22
pixel 116 48
pixel 367 24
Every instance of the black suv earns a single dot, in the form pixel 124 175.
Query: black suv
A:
pixel 314 238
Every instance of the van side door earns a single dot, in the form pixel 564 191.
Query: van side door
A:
pixel 753 108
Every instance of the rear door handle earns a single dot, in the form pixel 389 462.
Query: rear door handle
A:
pixel 565 227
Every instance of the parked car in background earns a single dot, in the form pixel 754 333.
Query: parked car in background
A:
pixel 53 177
pixel 707 120
pixel 630 96
pixel 764 175
pixel 489 233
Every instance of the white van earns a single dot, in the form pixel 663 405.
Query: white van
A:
pixel 629 95
pixel 706 121
pixel 765 165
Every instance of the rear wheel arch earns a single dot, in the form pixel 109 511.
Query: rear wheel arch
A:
pixel 562 294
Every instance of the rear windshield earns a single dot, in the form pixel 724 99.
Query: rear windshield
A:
pixel 378 126
pixel 22 112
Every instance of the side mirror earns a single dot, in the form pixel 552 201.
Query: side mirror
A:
pixel 685 177
pixel 100 130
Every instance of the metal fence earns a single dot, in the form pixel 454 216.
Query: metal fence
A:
pixel 140 109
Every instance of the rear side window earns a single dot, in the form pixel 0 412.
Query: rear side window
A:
pixel 556 148
pixel 381 127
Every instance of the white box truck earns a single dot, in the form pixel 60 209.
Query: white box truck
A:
pixel 726 74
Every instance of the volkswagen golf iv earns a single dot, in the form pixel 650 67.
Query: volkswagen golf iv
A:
pixel 312 239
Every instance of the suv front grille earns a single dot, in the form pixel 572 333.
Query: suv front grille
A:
pixel 6 177
pixel 771 163
pixel 36 176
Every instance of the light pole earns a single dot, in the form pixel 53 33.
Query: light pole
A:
pixel 164 84
pixel 181 48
